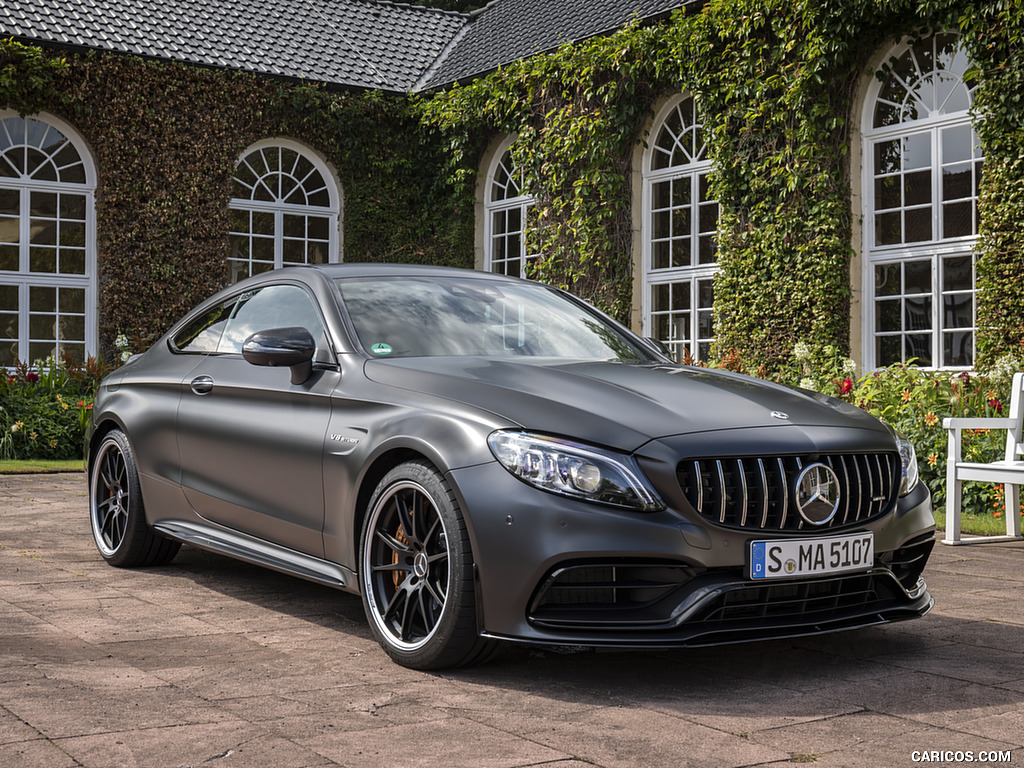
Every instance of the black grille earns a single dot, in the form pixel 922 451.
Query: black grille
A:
pixel 757 493
pixel 803 602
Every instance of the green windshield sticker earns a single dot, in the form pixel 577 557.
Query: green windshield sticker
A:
pixel 380 348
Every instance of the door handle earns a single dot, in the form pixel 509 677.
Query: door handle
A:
pixel 202 385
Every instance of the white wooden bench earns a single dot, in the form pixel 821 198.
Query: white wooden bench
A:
pixel 1009 470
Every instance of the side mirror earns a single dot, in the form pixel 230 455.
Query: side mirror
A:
pixel 285 347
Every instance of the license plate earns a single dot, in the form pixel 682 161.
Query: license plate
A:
pixel 787 558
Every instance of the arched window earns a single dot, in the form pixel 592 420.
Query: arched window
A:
pixel 285 208
pixel 922 170
pixel 47 241
pixel 505 207
pixel 680 222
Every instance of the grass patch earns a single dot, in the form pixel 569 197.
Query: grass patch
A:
pixel 39 466
pixel 976 525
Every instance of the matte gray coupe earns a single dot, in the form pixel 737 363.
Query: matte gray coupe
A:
pixel 486 459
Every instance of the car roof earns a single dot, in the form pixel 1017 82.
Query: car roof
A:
pixel 373 269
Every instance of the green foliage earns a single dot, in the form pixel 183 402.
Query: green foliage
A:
pixel 774 79
pixel 915 402
pixel 775 82
pixel 578 113
pixel 45 409
pixel 165 138
pixel 27 75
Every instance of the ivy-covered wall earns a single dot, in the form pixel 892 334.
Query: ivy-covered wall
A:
pixel 775 80
pixel 165 138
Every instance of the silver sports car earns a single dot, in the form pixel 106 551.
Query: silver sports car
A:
pixel 486 459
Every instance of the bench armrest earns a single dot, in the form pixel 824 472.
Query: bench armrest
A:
pixel 991 422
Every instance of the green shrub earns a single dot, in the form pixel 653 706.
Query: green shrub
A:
pixel 45 408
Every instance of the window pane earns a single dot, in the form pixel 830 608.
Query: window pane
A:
pixel 957 273
pixel 917 188
pixel 957 181
pixel 887 315
pixel 10 202
pixel 660 297
pixel 9 258
pixel 888 350
pixel 917 313
pixel 918 223
pixel 294 226
pixel 917 151
pixel 958 348
pixel 8 300
pixel 958 310
pixel 918 276
pixel 887 229
pixel 887 193
pixel 958 219
pixel 957 144
pixel 919 346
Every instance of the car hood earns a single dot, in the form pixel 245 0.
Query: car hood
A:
pixel 620 405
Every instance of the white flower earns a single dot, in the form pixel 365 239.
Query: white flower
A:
pixel 849 367
pixel 121 342
pixel 801 351
pixel 806 384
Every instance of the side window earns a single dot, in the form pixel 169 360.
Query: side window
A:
pixel 276 306
pixel 202 335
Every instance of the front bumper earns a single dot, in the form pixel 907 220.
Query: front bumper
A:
pixel 554 570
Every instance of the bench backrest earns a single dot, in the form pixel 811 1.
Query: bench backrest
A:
pixel 1015 434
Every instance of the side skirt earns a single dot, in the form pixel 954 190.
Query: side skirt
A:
pixel 263 553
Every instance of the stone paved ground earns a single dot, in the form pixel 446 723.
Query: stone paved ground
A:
pixel 217 664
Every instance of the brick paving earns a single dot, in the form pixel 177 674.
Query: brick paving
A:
pixel 213 663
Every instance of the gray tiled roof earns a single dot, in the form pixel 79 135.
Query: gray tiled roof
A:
pixel 354 43
pixel 360 43
pixel 507 30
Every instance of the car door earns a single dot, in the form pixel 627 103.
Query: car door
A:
pixel 251 442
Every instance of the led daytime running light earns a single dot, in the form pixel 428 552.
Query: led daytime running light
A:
pixel 575 470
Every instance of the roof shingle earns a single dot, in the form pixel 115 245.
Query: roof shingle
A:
pixel 373 44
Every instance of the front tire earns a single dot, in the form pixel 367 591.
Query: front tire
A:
pixel 417 572
pixel 116 512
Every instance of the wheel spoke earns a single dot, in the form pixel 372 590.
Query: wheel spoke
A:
pixel 405 516
pixel 392 543
pixel 425 612
pixel 438 594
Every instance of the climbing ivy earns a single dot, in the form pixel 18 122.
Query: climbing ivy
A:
pixel 165 138
pixel 775 81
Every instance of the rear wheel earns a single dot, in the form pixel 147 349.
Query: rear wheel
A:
pixel 417 572
pixel 116 513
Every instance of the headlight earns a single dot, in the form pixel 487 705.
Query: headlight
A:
pixel 910 474
pixel 570 469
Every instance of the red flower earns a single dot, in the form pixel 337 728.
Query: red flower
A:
pixel 847 386
pixel 997 405
pixel 31 377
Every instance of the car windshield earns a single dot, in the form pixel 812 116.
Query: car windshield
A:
pixel 443 316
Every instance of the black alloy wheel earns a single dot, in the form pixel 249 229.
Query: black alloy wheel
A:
pixel 417 572
pixel 116 512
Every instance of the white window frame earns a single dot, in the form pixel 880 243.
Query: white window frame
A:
pixel 523 202
pixel 937 250
pixel 25 279
pixel 689 277
pixel 279 209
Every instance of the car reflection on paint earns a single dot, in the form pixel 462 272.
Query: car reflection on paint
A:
pixel 486 459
